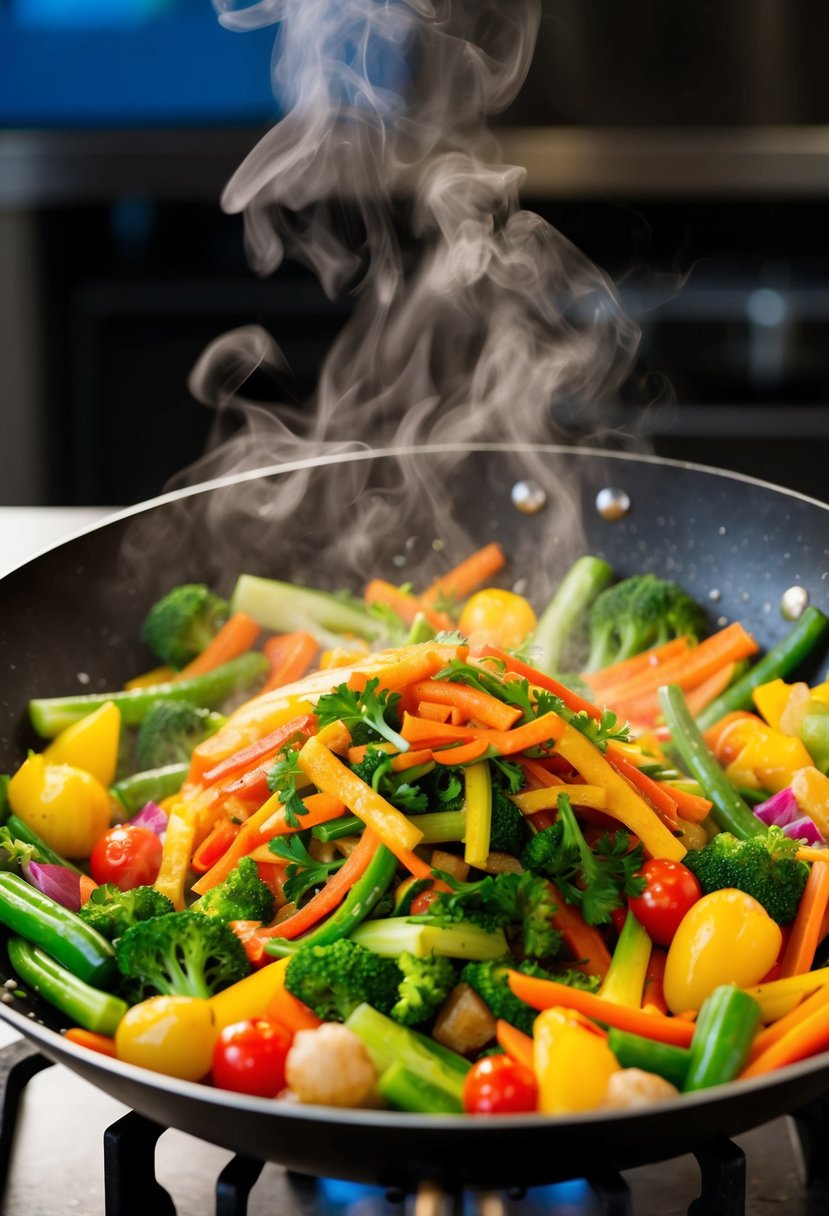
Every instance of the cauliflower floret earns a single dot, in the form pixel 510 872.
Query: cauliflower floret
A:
pixel 630 1088
pixel 330 1066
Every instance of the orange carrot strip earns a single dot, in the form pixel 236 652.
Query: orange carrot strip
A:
pixel 235 637
pixel 803 941
pixel 262 749
pixel 506 742
pixel 217 841
pixel 541 680
pixel 713 733
pixel 544 994
pixel 406 605
pixel 87 886
pixel 584 941
pixel 617 673
pixel 413 663
pixel 703 694
pixel 101 1043
pixel 689 806
pixel 660 799
pixel 773 1033
pixel 290 655
pixel 689 669
pixel 516 1044
pixel 474 703
pixel 265 823
pixel 653 994
pixel 809 1036
pixel 464 578
pixel 467 753
pixel 433 711
pixel 287 1009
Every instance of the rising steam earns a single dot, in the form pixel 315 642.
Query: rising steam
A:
pixel 475 320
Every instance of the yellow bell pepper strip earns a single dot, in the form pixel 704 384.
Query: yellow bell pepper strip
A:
pixel 262 994
pixel 777 998
pixel 478 805
pixel 769 1036
pixel 175 857
pixel 546 798
pixel 623 802
pixel 625 978
pixel 772 757
pixel 66 806
pixel 158 675
pixel 572 1064
pixel 174 1035
pixel 811 789
pixel 545 994
pixel 90 744
pixel 770 701
pixel 331 776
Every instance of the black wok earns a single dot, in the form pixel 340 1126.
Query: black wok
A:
pixel 73 613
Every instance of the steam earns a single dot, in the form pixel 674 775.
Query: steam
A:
pixel 475 320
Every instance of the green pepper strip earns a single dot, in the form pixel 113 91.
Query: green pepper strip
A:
pixel 347 825
pixel 404 1089
pixel 21 831
pixel 86 1006
pixel 62 934
pixel 635 1051
pixel 361 899
pixel 729 810
pixel 776 663
pixel 51 715
pixel 153 785
pixel 723 1035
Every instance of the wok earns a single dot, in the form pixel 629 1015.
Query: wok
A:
pixel 74 612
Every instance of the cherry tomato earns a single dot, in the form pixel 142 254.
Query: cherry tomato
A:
pixel 670 892
pixel 499 1085
pixel 249 1057
pixel 129 856
pixel 499 617
pixel 422 901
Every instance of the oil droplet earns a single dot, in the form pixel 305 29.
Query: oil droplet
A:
pixel 528 497
pixel 612 504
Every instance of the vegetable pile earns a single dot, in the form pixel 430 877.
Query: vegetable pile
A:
pixel 384 850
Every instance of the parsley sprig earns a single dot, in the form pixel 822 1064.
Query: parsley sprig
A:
pixel 365 713
pixel 282 781
pixel 303 871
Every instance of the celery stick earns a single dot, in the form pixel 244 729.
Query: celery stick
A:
pixel 404 1089
pixel 284 608
pixel 585 579
pixel 391 936
pixel 387 1044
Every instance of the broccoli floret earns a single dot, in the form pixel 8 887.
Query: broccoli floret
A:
pixel 242 896
pixel 638 613
pixel 489 980
pixel 509 831
pixel 180 954
pixel 597 881
pixel 424 985
pixel 522 901
pixel 112 911
pixel 765 867
pixel 170 731
pixel 179 626
pixel 333 980
pixel 375 769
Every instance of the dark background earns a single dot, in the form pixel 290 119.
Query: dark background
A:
pixel 684 151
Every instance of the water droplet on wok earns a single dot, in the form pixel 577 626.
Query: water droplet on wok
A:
pixel 612 504
pixel 528 497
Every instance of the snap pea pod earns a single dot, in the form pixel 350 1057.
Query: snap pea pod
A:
pixel 404 1089
pixel 635 1051
pixel 50 715
pixel 63 935
pixel 153 785
pixel 346 825
pixel 21 831
pixel 723 1035
pixel 783 658
pixel 361 899
pixel 729 809
pixel 86 1006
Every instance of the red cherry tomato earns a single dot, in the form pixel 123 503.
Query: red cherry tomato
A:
pixel 422 902
pixel 249 1057
pixel 129 856
pixel 499 1085
pixel 670 892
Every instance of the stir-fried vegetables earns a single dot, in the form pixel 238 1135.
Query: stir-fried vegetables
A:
pixel 438 874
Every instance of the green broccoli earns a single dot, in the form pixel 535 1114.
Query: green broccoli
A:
pixel 179 626
pixel 489 980
pixel 179 954
pixel 112 911
pixel 509 831
pixel 596 881
pixel 523 902
pixel 765 867
pixel 242 896
pixel 333 980
pixel 424 985
pixel 170 731
pixel 638 613
pixel 375 769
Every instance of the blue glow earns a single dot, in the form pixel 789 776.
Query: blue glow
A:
pixel 342 1194
pixel 560 1194
pixel 87 14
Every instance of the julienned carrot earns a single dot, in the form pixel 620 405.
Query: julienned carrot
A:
pixel 545 994
pixel 805 1038
pixel 236 636
pixel 466 753
pixel 265 823
pixel 290 655
pixel 400 760
pixel 546 797
pixel 617 673
pixel 406 605
pixel 541 680
pixel 287 1009
pixel 713 734
pixel 506 742
pixel 805 935
pixel 653 994
pixel 660 799
pixel 703 694
pixel 87 886
pixel 267 746
pixel 692 807
pixel 466 577
pixel 433 711
pixel 404 667
pixel 584 941
pixel 689 669
pixel 771 1035
pixel 473 702
pixel 214 845
pixel 516 1044
pixel 101 1043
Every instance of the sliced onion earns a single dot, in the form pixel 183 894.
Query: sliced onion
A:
pixel 152 818
pixel 57 882
pixel 782 808
pixel 804 828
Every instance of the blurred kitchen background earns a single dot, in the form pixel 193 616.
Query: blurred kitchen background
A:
pixel 683 146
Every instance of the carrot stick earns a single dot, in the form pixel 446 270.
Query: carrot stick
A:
pixel 803 941
pixel 407 606
pixel 772 1034
pixel 464 578
pixel 433 711
pixel 467 753
pixel 400 760
pixel 87 886
pixel 703 694
pixel 713 734
pixel 808 1036
pixel 584 941
pixel 235 637
pixel 474 703
pixel 541 680
pixel 660 799
pixel 101 1043
pixel 290 655
pixel 689 669
pixel 263 748
pixel 653 995
pixel 287 1009
pixel 516 1044
pixel 617 673
pixel 506 742
pixel 544 994
pixel 693 807
pixel 217 841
